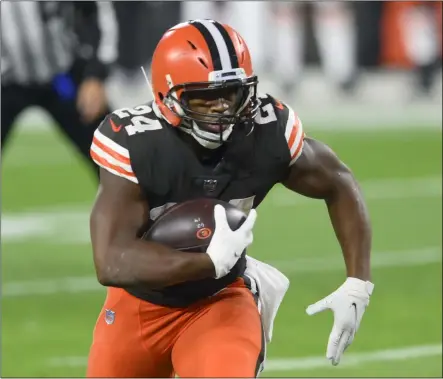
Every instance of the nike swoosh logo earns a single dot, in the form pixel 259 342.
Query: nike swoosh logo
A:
pixel 114 127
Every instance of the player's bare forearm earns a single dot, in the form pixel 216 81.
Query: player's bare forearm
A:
pixel 121 258
pixel 152 265
pixel 318 173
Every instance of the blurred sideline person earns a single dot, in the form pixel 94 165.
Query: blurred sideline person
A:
pixel 335 34
pixel 247 17
pixel 140 25
pixel 420 25
pixel 140 28
pixel 57 55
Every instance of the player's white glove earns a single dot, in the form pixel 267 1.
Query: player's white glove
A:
pixel 348 303
pixel 226 245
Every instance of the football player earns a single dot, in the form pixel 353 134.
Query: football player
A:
pixel 207 133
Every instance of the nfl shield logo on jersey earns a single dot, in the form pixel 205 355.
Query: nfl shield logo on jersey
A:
pixel 109 316
pixel 209 185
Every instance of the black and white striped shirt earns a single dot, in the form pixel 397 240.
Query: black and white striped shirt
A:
pixel 41 39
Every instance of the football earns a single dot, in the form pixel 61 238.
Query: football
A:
pixel 189 226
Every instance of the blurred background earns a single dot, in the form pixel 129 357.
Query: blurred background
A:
pixel 364 77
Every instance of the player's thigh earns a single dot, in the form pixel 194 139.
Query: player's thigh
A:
pixel 119 349
pixel 225 341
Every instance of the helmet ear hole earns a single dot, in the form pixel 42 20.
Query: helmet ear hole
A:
pixel 160 96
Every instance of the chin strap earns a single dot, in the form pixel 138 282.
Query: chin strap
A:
pixel 206 139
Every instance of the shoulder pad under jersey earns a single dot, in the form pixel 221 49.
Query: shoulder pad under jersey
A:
pixel 273 110
pixel 110 149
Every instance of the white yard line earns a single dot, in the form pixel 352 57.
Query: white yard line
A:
pixel 334 262
pixel 72 285
pixel 353 359
pixel 53 223
pixel 381 189
pixel 67 285
pixel 54 226
pixel 309 363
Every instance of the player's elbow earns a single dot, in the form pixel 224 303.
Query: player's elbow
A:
pixel 109 276
pixel 114 268
pixel 345 177
pixel 107 271
pixel 342 182
pixel 104 277
pixel 345 185
pixel 113 277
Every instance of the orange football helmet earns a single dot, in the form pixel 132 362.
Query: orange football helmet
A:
pixel 202 55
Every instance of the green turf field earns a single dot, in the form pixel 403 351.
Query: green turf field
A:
pixel 51 299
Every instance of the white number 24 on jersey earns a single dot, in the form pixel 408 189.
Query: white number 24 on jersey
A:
pixel 139 123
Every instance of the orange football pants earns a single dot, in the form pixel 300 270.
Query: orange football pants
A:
pixel 217 337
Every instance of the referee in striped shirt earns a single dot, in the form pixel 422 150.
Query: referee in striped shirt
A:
pixel 56 55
